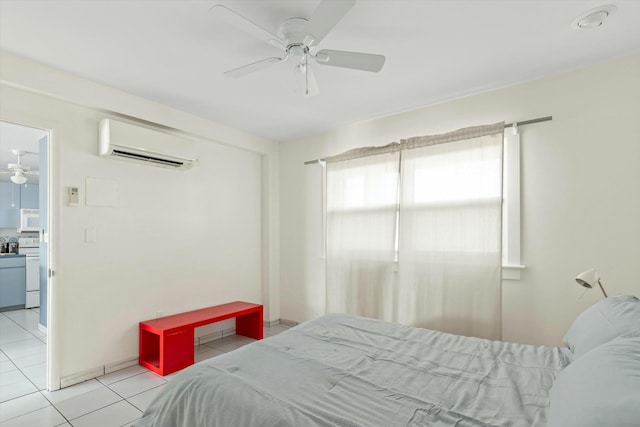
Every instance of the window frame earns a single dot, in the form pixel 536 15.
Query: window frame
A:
pixel 511 215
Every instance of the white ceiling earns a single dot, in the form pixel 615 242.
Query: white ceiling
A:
pixel 175 53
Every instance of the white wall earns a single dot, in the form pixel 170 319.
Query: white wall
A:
pixel 580 193
pixel 176 241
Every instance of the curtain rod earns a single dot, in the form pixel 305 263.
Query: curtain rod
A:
pixel 522 123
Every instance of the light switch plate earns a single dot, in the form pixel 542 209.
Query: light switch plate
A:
pixel 90 235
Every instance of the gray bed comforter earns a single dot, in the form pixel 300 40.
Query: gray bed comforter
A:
pixel 342 370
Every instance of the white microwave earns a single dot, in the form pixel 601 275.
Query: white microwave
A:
pixel 29 220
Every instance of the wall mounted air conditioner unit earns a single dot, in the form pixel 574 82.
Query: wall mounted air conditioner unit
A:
pixel 124 141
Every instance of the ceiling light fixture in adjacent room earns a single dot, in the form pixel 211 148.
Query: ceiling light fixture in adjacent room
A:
pixel 593 18
pixel 18 170
pixel 19 178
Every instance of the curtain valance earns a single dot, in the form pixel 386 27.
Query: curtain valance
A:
pixel 420 141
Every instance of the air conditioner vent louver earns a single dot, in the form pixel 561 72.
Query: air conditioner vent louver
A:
pixel 141 145
pixel 146 158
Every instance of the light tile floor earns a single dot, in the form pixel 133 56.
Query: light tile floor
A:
pixel 113 400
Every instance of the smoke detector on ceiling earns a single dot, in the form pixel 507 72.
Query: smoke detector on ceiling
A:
pixel 593 18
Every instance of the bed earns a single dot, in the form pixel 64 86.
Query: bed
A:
pixel 341 370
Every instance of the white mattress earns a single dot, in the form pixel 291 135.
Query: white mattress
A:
pixel 341 370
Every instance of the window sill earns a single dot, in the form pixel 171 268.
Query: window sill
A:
pixel 509 271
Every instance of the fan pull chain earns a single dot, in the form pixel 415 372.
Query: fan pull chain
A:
pixel 306 74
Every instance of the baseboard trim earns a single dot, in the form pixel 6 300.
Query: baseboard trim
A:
pixel 218 335
pixel 289 323
pixel 126 363
pixel 81 377
pixel 285 322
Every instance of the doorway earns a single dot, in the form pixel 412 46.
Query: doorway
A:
pixel 24 219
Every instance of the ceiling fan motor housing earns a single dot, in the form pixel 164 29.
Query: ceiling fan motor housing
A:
pixel 294 32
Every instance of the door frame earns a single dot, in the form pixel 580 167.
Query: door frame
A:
pixel 53 220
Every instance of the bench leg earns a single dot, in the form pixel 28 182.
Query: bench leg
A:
pixel 176 351
pixel 250 325
pixel 149 353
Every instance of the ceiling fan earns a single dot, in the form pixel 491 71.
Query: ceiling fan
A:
pixel 19 171
pixel 298 38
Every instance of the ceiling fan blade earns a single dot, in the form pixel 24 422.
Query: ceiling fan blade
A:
pixel 326 16
pixel 253 67
pixel 233 18
pixel 354 60
pixel 16 166
pixel 32 173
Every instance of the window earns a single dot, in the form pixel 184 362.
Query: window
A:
pixel 453 193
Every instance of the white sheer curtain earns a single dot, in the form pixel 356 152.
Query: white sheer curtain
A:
pixel 362 198
pixel 433 203
pixel 450 232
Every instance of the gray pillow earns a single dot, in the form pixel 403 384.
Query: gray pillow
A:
pixel 603 322
pixel 601 388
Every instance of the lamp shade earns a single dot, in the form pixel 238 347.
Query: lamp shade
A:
pixel 588 278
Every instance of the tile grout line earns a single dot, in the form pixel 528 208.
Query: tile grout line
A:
pixel 12 360
pixel 29 379
pixel 35 410
pixel 98 409
pixel 95 410
pixel 137 394
pixel 11 319
pixel 128 378
pixel 54 407
pixel 68 420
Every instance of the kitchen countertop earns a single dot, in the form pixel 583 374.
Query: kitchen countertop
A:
pixel 11 255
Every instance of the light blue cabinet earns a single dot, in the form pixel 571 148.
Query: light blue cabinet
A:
pixel 14 197
pixel 29 196
pixel 9 205
pixel 13 289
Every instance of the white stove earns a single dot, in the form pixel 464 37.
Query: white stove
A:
pixel 30 246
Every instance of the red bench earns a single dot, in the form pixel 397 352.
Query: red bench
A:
pixel 166 343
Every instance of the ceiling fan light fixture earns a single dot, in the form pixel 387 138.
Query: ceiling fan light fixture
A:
pixel 306 82
pixel 593 18
pixel 297 51
pixel 19 170
pixel 18 178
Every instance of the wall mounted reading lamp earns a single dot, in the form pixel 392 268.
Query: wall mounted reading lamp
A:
pixel 589 278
